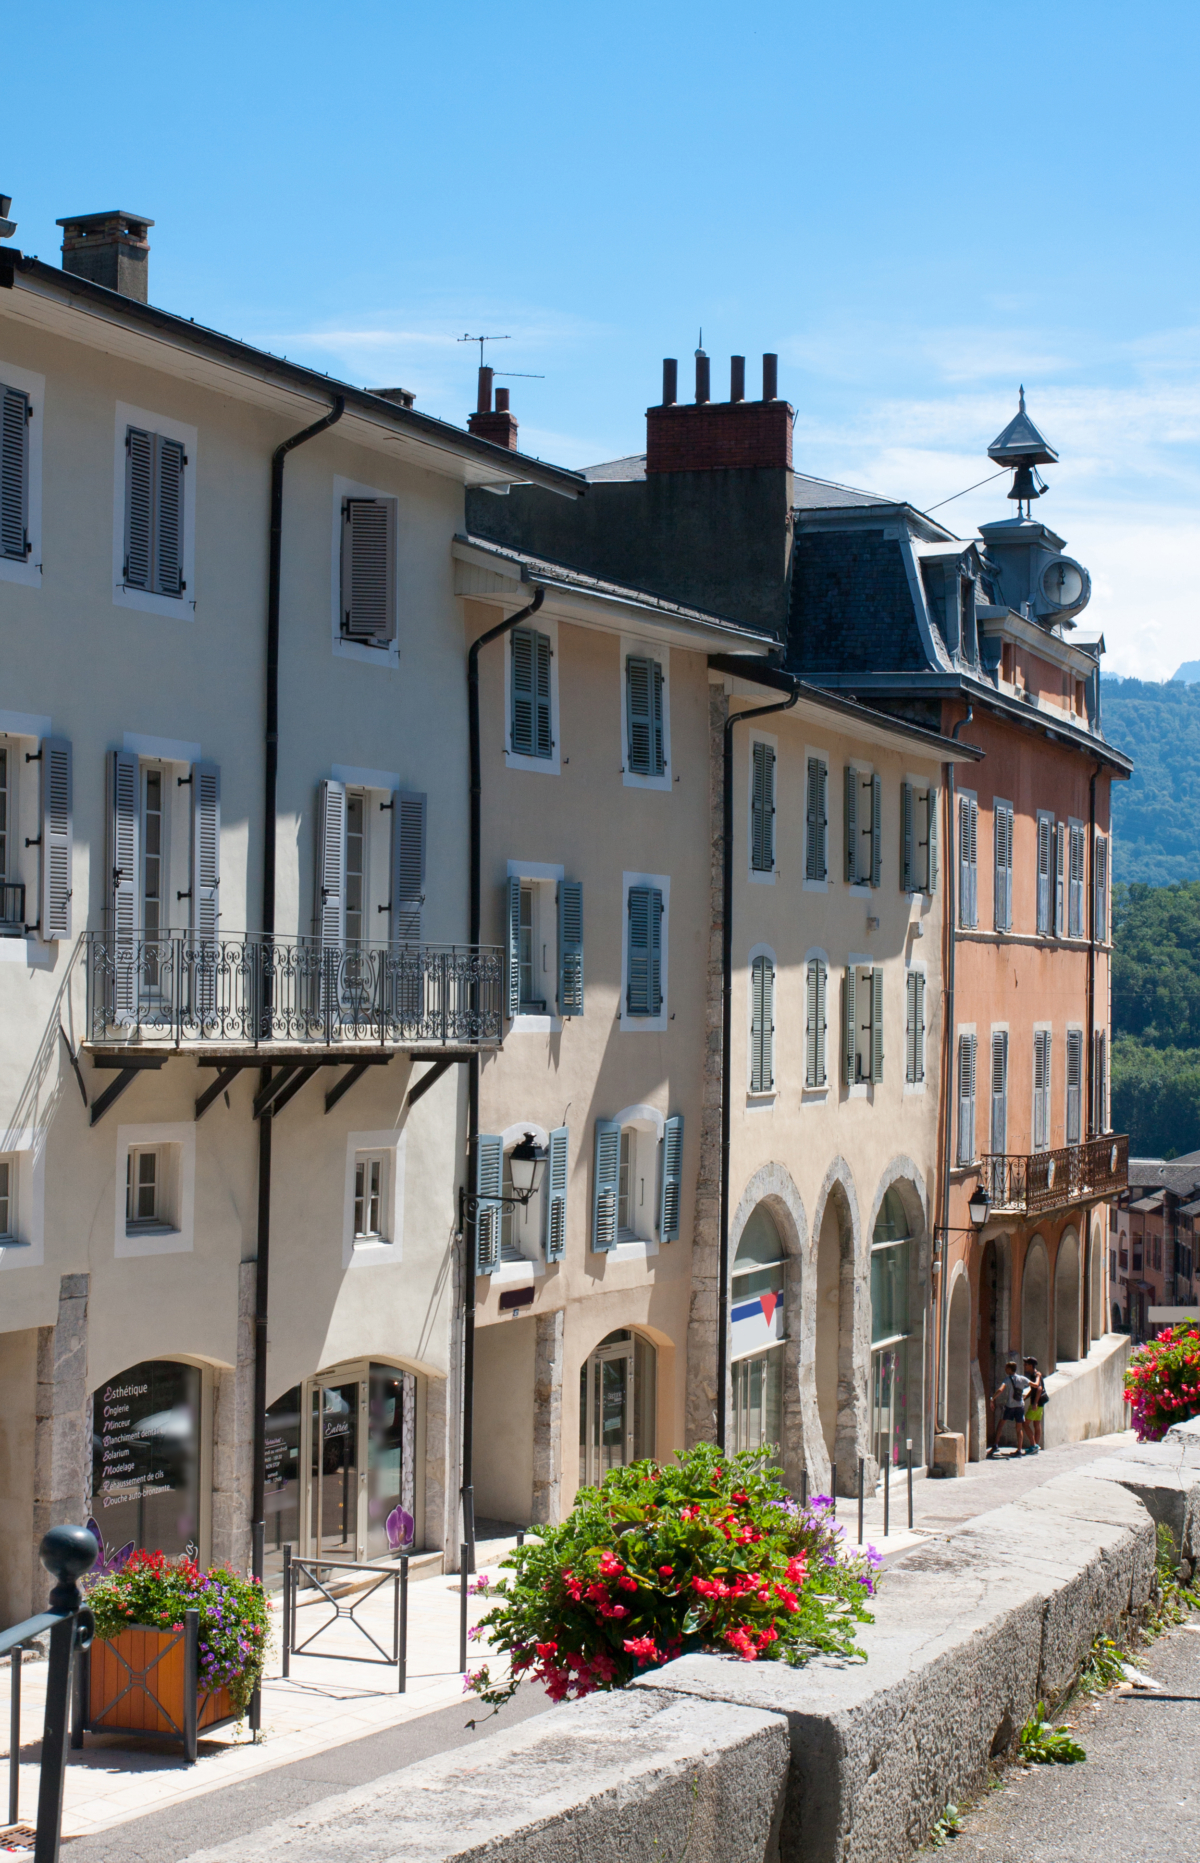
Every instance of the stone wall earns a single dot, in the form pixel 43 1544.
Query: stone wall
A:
pixel 1087 1395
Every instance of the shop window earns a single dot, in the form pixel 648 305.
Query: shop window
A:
pixel 758 1332
pixel 893 1341
pixel 146 1455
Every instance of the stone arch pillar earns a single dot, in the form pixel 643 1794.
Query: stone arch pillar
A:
pixel 1068 1297
pixel 1035 1304
pixel 959 1391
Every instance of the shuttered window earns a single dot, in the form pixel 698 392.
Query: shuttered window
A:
pixel 408 867
pixel 15 414
pixel 966 1099
pixel 931 839
pixel 1101 884
pixel 968 861
pixel 646 747
pixel 368 570
pixel 206 851
pixel 1076 879
pixel 918 839
pixel 1045 871
pixel 489 1187
pixel 1074 1086
pixel 329 906
pixel 850 817
pixel 850 1025
pixel 814 1024
pixel 1099 1081
pixel 124 865
pixel 530 724
pixel 877 1024
pixel 556 1210
pixel 816 820
pixel 762 808
pixel 606 1172
pixel 1003 818
pixel 999 1121
pixel 914 1027
pixel 1060 879
pixel 762 1025
pixel 56 850
pixel 154 468
pixel 876 868
pixel 643 990
pixel 1042 1056
pixel 908 838
pixel 570 948
pixel 672 1179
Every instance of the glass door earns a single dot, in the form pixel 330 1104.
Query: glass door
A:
pixel 333 1498
pixel 616 1406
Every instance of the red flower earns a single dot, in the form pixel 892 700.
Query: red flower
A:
pixel 644 1648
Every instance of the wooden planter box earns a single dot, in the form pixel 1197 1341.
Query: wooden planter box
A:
pixel 145 1684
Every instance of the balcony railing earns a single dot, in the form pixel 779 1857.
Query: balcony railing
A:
pixel 249 991
pixel 12 907
pixel 1029 1184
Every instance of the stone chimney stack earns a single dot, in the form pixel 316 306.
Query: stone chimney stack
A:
pixel 110 249
pixel 494 424
pixel 711 436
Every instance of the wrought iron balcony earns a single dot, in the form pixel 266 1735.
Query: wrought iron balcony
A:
pixel 1030 1184
pixel 249 991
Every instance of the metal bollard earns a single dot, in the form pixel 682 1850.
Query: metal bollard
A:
pixel 14 1738
pixel 286 1631
pixel 403 1632
pixel 861 1476
pixel 464 1556
pixel 887 1491
pixel 258 1555
pixel 804 1487
pixel 908 1451
pixel 833 1486
pixel 520 1536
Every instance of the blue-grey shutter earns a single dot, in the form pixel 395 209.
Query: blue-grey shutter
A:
pixel 966 1099
pixel 1060 880
pixel 849 1025
pixel 672 1179
pixel 522 692
pixel 206 851
pixel 139 508
pixel 368 571
pixel 762 809
pixel 968 823
pixel 822 988
pixel 169 463
pixel 910 1026
pixel 1074 1086
pixel 931 823
pixel 570 947
pixel 605 1184
pixel 851 815
pixel 556 1217
pixel 512 935
pixel 543 742
pixel 329 908
pixel 408 866
pixel 816 866
pixel 14 474
pixel 1042 1057
pixel 1077 881
pixel 999 1092
pixel 644 715
pixel 876 830
pixel 489 1184
pixel 658 739
pixel 762 1025
pixel 908 839
pixel 1045 851
pixel 643 995
pixel 822 820
pixel 1101 882
pixel 54 914
pixel 124 826
pixel 877 1024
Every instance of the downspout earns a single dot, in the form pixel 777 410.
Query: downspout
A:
pixel 470 1225
pixel 735 718
pixel 1091 1051
pixel 949 915
pixel 270 794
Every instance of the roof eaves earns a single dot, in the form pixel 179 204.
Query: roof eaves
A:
pixel 780 681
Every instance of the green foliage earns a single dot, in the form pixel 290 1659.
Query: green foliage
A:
pixel 950 1824
pixel 1043 1745
pixel 1162 1381
pixel 154 1592
pixel 1176 1601
pixel 1104 1667
pixel 1156 815
pixel 708 1553
pixel 1156 1018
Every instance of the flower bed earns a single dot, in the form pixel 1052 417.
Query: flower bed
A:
pixel 1162 1381
pixel 151 1590
pixel 710 1553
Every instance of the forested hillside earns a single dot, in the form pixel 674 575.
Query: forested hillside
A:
pixel 1156 1017
pixel 1156 815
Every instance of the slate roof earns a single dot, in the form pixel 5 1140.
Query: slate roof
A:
pixel 809 494
pixel 1180 1176
pixel 616 471
pixel 852 605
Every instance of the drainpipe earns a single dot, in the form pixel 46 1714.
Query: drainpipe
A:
pixel 949 915
pixel 470 1225
pixel 1090 1075
pixel 735 718
pixel 270 791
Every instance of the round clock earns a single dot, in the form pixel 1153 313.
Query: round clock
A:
pixel 1062 582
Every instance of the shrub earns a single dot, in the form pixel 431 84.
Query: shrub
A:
pixel 709 1553
pixel 1162 1381
pixel 153 1591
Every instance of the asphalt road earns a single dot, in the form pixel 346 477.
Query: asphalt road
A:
pixel 1135 1797
pixel 233 1811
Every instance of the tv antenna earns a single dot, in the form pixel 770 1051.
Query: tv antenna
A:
pixel 481 340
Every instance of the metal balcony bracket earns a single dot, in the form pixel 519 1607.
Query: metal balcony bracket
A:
pixel 224 1079
pixel 351 1075
pixel 129 1069
pixel 74 1062
pixel 293 1086
pixel 430 1078
pixel 269 1098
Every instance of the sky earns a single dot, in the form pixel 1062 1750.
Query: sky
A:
pixel 918 209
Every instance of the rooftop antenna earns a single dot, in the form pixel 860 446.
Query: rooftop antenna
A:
pixel 481 340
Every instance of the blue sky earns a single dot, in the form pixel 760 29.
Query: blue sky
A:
pixel 918 208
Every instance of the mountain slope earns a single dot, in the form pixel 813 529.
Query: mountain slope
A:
pixel 1156 815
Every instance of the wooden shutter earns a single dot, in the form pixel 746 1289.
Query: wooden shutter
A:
pixel 1099 1082
pixel 556 1216
pixel 1060 862
pixel 999 1091
pixel 643 995
pixel 851 816
pixel 139 508
pixel 1045 837
pixel 489 1185
pixel 931 839
pixel 1101 881
pixel 968 859
pixel 822 820
pixel 810 1025
pixel 877 1024
pixel 822 986
pixel 672 1179
pixel 124 836
pixel 1003 878
pixel 329 910
pixel 966 1099
pixel 14 474
pixel 543 742
pixel 876 830
pixel 570 947
pixel 1041 1089
pixel 908 839
pixel 54 910
pixel 523 692
pixel 1074 1086
pixel 605 1182
pixel 1076 880
pixel 408 866
pixel 206 851
pixel 169 462
pixel 762 1025
pixel 369 570
pixel 911 1037
pixel 762 809
pixel 512 934
pixel 918 977
pixel 644 714
pixel 849 1024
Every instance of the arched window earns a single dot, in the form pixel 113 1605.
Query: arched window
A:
pixel 758 1333
pixel 891 1334
pixel 617 1392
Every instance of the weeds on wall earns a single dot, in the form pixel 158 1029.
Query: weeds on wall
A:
pixel 1044 1745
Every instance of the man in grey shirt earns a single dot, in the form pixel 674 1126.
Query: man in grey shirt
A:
pixel 1011 1394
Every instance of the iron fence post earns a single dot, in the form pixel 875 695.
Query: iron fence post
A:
pixel 67 1553
pixel 191 1683
pixel 14 1737
pixel 887 1491
pixel 861 1481
pixel 464 1558
pixel 908 1451
pixel 402 1678
pixel 804 1487
pixel 833 1486
pixel 286 1638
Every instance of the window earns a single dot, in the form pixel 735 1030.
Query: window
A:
pixel 148 1188
pixel 525 967
pixel 16 413
pixel 370 862
pixel 637 1179
pixel 762 1024
pixel 1074 1086
pixel 356 865
pixel 816 821
pixel 370 1185
pixel 999 1122
pixel 544 930
pixel 1099 1081
pixel 1003 816
pixel 624 1201
pixel 762 807
pixel 918 825
pixel 1042 1044
pixel 154 513
pixel 367 607
pixel 11 919
pixel 1060 879
pixel 155 914
pixel 966 1099
pixel 616 1406
pixel 816 984
pixel 8 1199
pixel 862 1023
pixel 968 860
pixel 1077 878
pixel 914 1027
pixel 893 1310
pixel 863 817
pixel 645 744
pixel 758 1333
pixel 643 989
pixel 530 723
pixel 1045 861
pixel 1101 885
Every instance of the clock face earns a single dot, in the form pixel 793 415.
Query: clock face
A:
pixel 1062 582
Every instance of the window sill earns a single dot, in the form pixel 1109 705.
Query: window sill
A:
pixel 137 1232
pixel 365 1242
pixel 755 1100
pixel 816 886
pixel 508 1272
pixel 632 1248
pixel 535 1025
pixel 814 1096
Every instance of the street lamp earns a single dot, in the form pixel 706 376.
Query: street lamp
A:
pixel 979 1206
pixel 526 1165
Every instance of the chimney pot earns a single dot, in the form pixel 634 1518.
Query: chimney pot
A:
pixel 502 400
pixel 110 249
pixel 770 378
pixel 737 378
pixel 702 377
pixel 484 399
pixel 670 381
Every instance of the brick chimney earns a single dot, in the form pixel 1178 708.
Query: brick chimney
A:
pixel 110 249
pixel 714 436
pixel 496 425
